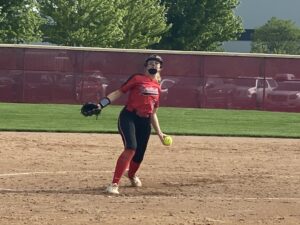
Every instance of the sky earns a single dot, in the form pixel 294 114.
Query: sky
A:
pixel 256 13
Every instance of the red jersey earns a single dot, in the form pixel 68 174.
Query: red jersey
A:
pixel 144 94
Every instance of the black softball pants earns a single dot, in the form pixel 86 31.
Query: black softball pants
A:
pixel 135 132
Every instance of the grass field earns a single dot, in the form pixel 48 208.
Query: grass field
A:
pixel 52 177
pixel 179 121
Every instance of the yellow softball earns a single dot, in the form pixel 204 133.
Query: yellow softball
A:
pixel 167 140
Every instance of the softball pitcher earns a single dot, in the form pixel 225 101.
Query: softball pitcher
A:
pixel 135 120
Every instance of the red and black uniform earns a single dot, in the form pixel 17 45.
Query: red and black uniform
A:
pixel 134 121
pixel 143 96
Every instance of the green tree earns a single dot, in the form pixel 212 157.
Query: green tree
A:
pixel 200 24
pixel 19 21
pixel 82 22
pixel 144 23
pixel 103 23
pixel 277 37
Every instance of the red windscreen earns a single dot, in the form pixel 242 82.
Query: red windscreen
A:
pixel 74 76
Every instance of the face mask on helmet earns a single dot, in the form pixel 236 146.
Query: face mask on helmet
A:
pixel 152 71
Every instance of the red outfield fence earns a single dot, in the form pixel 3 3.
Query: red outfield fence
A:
pixel 73 75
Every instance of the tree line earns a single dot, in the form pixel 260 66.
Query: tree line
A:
pixel 156 24
pixel 194 25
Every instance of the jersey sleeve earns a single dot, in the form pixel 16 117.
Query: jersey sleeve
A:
pixel 130 83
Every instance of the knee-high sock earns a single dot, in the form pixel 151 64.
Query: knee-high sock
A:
pixel 133 167
pixel 122 164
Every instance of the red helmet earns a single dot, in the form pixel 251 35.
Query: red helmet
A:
pixel 154 57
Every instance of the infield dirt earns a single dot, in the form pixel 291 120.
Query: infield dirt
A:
pixel 59 178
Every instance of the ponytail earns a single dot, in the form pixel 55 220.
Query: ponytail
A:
pixel 158 77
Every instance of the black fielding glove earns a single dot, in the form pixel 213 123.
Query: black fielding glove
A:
pixel 90 109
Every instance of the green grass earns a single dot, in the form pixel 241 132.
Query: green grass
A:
pixel 180 121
